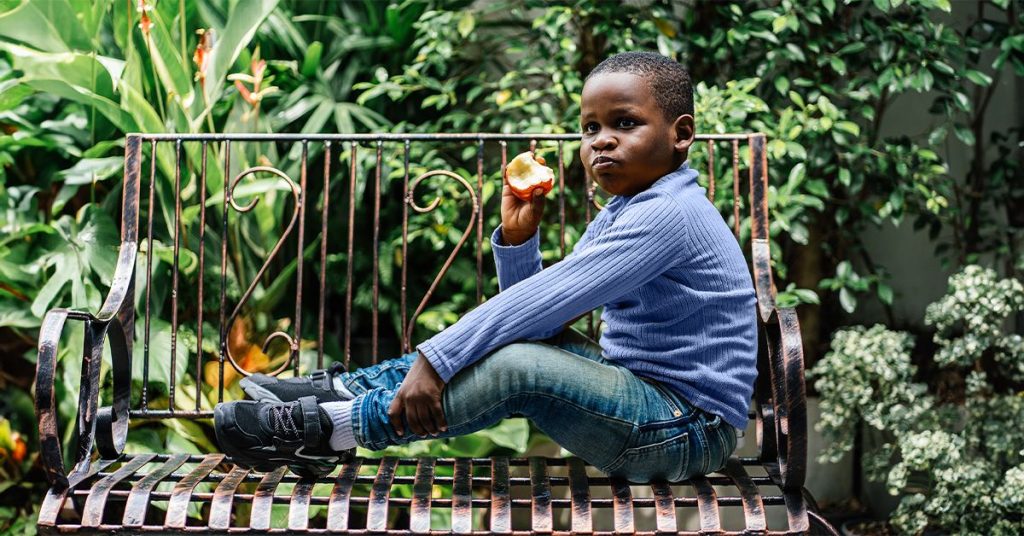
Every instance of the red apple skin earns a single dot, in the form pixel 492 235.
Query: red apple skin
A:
pixel 527 193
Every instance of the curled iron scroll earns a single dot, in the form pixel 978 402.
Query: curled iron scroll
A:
pixel 294 188
pixel 410 199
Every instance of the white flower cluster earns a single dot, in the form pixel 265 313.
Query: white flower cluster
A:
pixel 969 320
pixel 866 377
pixel 955 452
pixel 1010 493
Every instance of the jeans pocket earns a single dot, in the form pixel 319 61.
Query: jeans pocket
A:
pixel 720 442
pixel 666 459
pixel 670 411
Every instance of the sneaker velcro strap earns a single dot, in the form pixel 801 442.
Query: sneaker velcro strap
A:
pixel 310 421
pixel 320 376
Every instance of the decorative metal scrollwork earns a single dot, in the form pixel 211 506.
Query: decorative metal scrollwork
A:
pixel 410 199
pixel 294 188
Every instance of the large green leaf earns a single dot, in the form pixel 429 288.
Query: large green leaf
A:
pixel 84 78
pixel 82 246
pixel 90 13
pixel 94 72
pixel 16 315
pixel 12 93
pixel 173 73
pixel 47 25
pixel 241 25
pixel 160 355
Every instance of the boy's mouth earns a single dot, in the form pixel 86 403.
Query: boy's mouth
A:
pixel 602 162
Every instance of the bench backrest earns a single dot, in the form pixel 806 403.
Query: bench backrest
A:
pixel 336 200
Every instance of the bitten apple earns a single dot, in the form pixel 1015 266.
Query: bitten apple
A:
pixel 527 173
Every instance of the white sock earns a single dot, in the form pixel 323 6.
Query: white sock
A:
pixel 343 436
pixel 341 389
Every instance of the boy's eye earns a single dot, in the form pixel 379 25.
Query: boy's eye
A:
pixel 626 123
pixel 590 128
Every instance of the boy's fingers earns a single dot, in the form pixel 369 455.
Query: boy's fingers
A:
pixel 412 415
pixel 395 416
pixel 442 424
pixel 430 421
pixel 433 419
pixel 418 423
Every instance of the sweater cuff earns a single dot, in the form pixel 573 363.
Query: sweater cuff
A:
pixel 436 360
pixel 515 263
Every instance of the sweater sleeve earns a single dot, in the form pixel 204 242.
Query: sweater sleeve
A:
pixel 515 263
pixel 642 242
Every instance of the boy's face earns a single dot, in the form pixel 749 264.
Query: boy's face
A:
pixel 627 141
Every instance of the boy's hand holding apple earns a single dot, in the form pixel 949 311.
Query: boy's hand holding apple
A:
pixel 526 181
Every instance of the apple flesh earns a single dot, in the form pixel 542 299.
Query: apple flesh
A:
pixel 527 173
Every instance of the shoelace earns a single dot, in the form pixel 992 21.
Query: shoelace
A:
pixel 283 422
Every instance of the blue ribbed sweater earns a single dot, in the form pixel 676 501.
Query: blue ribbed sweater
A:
pixel 678 297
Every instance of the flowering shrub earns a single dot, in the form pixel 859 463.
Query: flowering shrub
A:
pixel 955 449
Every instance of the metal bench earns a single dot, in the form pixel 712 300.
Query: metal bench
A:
pixel 107 490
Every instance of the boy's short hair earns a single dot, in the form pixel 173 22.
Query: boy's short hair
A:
pixel 668 80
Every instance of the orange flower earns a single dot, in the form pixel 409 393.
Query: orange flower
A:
pixel 244 92
pixel 20 448
pixel 202 54
pixel 145 23
pixel 249 357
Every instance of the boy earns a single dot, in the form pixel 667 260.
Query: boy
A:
pixel 671 380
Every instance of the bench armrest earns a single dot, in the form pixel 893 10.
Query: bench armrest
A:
pixel 106 427
pixel 782 399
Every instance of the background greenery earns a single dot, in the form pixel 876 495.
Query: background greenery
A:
pixel 819 77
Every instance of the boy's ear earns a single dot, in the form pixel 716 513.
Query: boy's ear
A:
pixel 684 133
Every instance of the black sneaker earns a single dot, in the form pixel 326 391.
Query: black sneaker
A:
pixel 319 384
pixel 267 435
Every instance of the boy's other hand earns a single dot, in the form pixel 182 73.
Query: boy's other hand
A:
pixel 419 400
pixel 519 219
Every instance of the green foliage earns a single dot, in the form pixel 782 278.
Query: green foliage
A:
pixel 75 77
pixel 830 93
pixel 954 449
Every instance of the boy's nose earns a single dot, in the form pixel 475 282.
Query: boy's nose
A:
pixel 602 142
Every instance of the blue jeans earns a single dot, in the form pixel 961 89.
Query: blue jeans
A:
pixel 600 411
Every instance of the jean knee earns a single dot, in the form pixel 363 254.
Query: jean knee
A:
pixel 518 366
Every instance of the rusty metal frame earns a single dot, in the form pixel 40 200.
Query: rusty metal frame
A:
pixel 779 407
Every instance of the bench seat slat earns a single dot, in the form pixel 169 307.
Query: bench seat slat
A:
pixel 753 506
pixel 263 499
pixel 622 508
pixel 707 505
pixel 422 489
pixel 54 500
pixel 338 507
pixel 138 499
pixel 177 506
pixel 224 497
pixel 540 495
pixel 377 512
pixel 298 508
pixel 501 503
pixel 462 497
pixel 580 494
pixel 664 507
pixel 92 514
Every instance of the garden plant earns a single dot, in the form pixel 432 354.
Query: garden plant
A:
pixel 949 412
pixel 821 78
